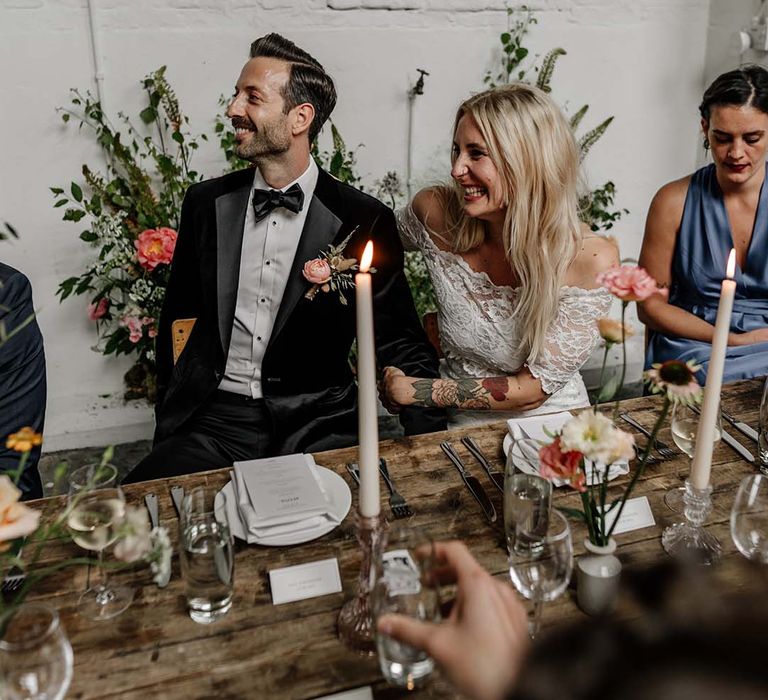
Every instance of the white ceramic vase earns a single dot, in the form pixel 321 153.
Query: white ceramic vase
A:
pixel 597 582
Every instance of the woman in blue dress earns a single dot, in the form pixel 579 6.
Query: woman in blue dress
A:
pixel 694 222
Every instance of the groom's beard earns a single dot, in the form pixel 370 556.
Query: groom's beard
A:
pixel 269 140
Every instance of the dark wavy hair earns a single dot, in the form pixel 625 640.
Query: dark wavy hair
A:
pixel 307 80
pixel 745 86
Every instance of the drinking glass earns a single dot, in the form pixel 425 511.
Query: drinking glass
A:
pixel 749 518
pixel 684 424
pixel 762 437
pixel 35 654
pixel 527 505
pixel 405 585
pixel 523 456
pixel 541 570
pixel 96 512
pixel 207 556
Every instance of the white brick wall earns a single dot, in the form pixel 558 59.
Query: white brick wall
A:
pixel 641 60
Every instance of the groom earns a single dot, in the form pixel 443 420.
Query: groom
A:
pixel 264 370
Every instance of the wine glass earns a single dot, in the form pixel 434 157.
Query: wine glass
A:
pixel 96 511
pixel 749 518
pixel 541 570
pixel 684 424
pixel 405 585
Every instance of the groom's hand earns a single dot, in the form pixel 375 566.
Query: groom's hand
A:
pixel 393 388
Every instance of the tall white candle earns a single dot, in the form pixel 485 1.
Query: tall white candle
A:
pixel 705 434
pixel 368 425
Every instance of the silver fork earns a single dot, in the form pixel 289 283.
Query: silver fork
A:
pixel 661 447
pixel 397 503
pixel 12 582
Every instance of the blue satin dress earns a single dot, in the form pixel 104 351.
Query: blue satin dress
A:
pixel 698 268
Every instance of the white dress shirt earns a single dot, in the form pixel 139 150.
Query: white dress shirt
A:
pixel 268 250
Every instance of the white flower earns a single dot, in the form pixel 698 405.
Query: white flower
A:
pixel 161 556
pixel 597 438
pixel 134 542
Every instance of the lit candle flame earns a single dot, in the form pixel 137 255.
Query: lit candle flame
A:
pixel 731 267
pixel 365 262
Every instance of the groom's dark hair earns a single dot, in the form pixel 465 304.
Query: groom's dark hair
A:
pixel 307 80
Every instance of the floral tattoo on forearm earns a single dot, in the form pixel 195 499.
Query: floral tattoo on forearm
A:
pixel 462 393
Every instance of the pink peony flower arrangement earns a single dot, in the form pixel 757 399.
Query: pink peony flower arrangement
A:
pixel 629 283
pixel 135 326
pixel 98 310
pixel 155 247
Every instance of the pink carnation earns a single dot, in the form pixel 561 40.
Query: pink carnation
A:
pixel 155 247
pixel 317 271
pixel 96 311
pixel 556 464
pixel 629 283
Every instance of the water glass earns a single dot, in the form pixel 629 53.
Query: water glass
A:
pixel 523 456
pixel 527 506
pixel 762 438
pixel 95 513
pixel 405 585
pixel 207 557
pixel 35 655
pixel 541 571
pixel 749 518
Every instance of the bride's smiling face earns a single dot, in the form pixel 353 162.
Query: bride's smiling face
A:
pixel 475 173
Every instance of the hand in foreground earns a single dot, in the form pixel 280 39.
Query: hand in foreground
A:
pixel 482 643
pixel 395 389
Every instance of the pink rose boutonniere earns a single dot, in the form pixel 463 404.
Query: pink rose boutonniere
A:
pixel 155 247
pixel 331 271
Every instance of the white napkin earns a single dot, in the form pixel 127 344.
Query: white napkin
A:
pixel 259 519
pixel 534 427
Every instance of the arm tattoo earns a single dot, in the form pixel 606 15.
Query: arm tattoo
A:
pixel 497 387
pixel 460 393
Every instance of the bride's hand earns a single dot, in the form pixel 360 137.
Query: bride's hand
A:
pixel 395 389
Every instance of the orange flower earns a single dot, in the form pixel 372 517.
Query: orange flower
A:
pixel 24 440
pixel 16 519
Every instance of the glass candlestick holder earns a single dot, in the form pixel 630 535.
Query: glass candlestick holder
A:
pixel 689 540
pixel 355 622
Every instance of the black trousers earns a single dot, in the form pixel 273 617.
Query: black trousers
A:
pixel 226 429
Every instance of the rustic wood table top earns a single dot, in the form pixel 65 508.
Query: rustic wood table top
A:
pixel 259 650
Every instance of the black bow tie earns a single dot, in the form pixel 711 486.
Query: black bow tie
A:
pixel 264 201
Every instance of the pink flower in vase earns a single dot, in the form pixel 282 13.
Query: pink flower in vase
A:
pixel 556 464
pixel 629 283
pixel 97 311
pixel 317 271
pixel 155 247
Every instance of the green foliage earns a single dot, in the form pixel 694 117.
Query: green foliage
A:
pixel 340 161
pixel 513 53
pixel 226 136
pixel 597 208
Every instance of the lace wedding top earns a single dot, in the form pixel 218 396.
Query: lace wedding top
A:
pixel 480 333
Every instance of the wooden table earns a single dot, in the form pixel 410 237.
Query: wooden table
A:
pixel 258 650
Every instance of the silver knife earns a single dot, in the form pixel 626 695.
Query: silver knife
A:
pixel 740 425
pixel 177 494
pixel 471 482
pixel 728 439
pixel 496 477
pixel 150 500
pixel 354 471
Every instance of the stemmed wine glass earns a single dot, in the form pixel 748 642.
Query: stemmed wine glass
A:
pixel 541 563
pixel 96 511
pixel 684 424
pixel 749 518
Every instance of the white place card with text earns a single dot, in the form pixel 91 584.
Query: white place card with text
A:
pixel 304 581
pixel 635 516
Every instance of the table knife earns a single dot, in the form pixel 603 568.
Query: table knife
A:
pixel 177 494
pixel 471 482
pixel 150 500
pixel 740 425
pixel 496 477
pixel 728 439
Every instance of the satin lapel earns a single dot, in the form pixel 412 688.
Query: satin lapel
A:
pixel 320 228
pixel 230 220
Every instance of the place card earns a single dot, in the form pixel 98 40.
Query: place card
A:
pixel 364 693
pixel 635 516
pixel 303 581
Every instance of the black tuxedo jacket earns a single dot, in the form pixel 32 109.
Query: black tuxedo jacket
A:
pixel 307 384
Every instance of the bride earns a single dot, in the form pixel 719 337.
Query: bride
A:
pixel 512 266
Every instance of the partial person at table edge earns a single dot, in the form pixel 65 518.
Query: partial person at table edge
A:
pixel 694 222
pixel 265 369
pixel 513 267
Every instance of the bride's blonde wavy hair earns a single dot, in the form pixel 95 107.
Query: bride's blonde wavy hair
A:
pixel 533 148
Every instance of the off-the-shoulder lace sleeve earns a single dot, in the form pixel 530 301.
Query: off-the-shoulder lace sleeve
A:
pixel 572 337
pixel 412 231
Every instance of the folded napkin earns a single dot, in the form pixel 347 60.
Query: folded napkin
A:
pixel 542 427
pixel 280 496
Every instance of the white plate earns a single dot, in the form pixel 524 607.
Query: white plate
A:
pixel 340 502
pixel 614 472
